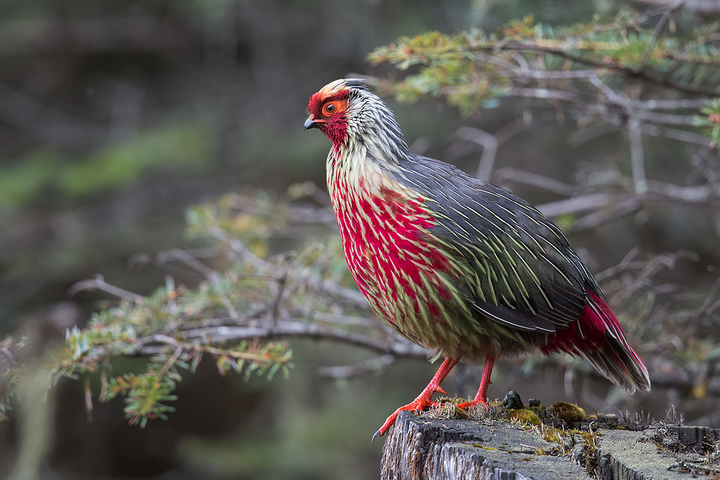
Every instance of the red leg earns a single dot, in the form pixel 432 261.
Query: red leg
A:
pixel 424 400
pixel 481 397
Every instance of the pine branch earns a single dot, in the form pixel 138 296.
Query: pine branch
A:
pixel 292 328
pixel 658 31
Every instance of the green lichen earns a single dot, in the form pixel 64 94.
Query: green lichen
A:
pixel 554 435
pixel 541 411
pixel 567 412
pixel 524 416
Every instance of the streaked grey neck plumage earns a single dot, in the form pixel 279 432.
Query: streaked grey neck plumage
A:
pixel 372 125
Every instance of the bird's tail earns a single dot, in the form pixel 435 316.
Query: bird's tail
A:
pixel 599 338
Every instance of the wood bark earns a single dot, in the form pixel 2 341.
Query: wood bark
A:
pixel 424 448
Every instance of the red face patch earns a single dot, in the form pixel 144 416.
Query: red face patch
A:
pixel 328 113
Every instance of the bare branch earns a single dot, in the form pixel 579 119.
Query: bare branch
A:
pixel 624 264
pixel 293 328
pixel 675 134
pixel 666 118
pixel 98 283
pixel 171 361
pixel 628 72
pixel 614 97
pixel 368 366
pixel 489 144
pixel 658 31
pixel 624 203
pixel 339 319
pixel 559 74
pixel 239 248
pixel 705 195
pixel 544 94
pixel 684 103
pixel 601 217
pixel 705 7
pixel 305 274
pixel 187 259
pixel 171 293
pixel 534 180
pixel 637 158
pixel 591 201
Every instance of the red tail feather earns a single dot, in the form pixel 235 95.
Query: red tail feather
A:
pixel 598 337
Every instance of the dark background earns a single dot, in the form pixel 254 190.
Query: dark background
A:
pixel 116 116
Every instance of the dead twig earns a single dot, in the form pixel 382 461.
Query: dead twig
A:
pixel 98 283
pixel 366 367
pixel 658 31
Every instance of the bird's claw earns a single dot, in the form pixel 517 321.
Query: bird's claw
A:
pixel 422 402
pixel 475 403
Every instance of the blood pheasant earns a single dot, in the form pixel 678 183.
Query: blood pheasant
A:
pixel 453 263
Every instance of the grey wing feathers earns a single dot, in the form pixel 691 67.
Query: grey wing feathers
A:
pixel 523 273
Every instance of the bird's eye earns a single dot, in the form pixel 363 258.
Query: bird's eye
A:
pixel 329 108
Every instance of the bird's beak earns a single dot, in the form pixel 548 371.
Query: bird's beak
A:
pixel 310 123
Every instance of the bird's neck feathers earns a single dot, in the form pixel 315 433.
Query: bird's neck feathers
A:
pixel 353 173
pixel 373 145
pixel 372 124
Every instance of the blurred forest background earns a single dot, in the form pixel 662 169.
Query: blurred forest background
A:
pixel 116 117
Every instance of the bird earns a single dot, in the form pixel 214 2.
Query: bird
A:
pixel 455 264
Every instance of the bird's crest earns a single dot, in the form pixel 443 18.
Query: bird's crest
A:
pixel 337 89
pixel 342 84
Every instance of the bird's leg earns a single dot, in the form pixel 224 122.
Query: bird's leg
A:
pixel 481 397
pixel 424 400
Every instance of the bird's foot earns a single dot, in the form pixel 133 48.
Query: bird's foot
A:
pixel 478 402
pixel 422 402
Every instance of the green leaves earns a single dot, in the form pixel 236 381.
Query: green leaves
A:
pixel 470 67
pixel 228 318
pixel 710 119
pixel 522 29
pixel 146 395
pixel 266 361
pixel 422 49
pixel 449 68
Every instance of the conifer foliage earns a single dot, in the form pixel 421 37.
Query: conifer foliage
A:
pixel 637 72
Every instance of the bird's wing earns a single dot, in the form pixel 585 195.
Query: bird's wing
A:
pixel 518 267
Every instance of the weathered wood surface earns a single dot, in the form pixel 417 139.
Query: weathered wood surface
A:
pixel 424 448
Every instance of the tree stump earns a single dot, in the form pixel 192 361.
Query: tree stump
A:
pixel 424 448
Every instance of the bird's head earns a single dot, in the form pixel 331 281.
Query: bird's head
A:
pixel 345 110
pixel 330 108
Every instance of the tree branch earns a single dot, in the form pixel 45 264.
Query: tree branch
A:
pixel 370 365
pixel 625 71
pixel 658 31
pixel 704 7
pixel 98 283
pixel 637 158
pixel 293 328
